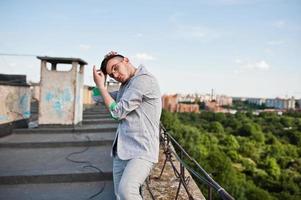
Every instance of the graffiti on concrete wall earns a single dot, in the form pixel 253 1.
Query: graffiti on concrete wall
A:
pixel 10 101
pixel 18 104
pixel 23 105
pixel 59 99
pixel 3 118
pixel 15 104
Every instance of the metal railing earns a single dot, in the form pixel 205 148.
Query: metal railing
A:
pixel 165 140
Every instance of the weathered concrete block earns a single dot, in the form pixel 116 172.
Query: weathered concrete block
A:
pixel 14 103
pixel 61 92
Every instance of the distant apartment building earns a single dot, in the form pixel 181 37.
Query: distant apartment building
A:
pixel 169 102
pixel 299 103
pixel 189 98
pixel 188 108
pixel 280 103
pixel 172 103
pixel 256 101
pixel 188 103
pixel 239 98
pixel 213 106
pixel 223 100
pixel 205 98
pixel 277 103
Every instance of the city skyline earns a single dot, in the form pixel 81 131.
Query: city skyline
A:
pixel 237 47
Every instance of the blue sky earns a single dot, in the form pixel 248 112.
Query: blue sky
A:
pixel 237 47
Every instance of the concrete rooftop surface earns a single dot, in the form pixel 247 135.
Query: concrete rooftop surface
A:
pixel 57 162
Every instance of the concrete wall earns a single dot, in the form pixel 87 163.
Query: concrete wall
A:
pixel 88 95
pixel 35 92
pixel 14 103
pixel 60 96
pixel 113 86
pixel 88 100
pixel 79 94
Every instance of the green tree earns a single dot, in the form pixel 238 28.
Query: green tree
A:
pixel 256 193
pixel 252 157
pixel 216 127
pixel 272 167
pixel 230 142
pixel 287 121
pixel 247 129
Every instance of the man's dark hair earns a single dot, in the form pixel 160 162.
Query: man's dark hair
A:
pixel 105 61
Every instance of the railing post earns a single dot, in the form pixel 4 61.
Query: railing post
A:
pixel 209 192
pixel 181 176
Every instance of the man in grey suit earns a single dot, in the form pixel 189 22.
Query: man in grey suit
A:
pixel 137 106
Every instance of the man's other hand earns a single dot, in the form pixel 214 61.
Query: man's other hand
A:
pixel 99 78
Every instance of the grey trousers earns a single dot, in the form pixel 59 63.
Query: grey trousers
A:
pixel 129 176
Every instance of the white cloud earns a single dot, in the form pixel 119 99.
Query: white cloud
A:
pixel 84 47
pixel 260 65
pixel 144 56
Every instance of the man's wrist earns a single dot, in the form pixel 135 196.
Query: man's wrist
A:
pixel 101 87
pixel 112 105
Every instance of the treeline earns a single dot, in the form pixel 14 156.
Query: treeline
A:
pixel 252 157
